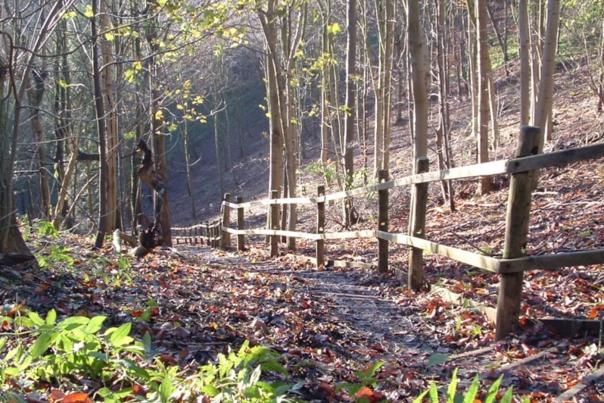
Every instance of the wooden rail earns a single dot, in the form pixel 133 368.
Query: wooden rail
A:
pixel 509 268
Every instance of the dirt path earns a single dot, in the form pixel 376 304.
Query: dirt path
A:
pixel 370 322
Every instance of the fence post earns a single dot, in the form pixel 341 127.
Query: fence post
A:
pixel 417 225
pixel 320 247
pixel 382 222
pixel 217 234
pixel 240 226
pixel 274 209
pixel 225 237
pixel 207 233
pixel 516 234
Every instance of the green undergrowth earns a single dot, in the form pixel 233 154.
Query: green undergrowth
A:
pixel 453 395
pixel 84 360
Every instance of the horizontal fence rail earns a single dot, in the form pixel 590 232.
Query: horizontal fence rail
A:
pixel 510 270
pixel 493 168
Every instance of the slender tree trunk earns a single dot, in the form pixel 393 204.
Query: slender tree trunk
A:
pixel 546 84
pixel 185 144
pixel 110 117
pixel 535 44
pixel 101 130
pixel 351 73
pixel 442 132
pixel 218 153
pixel 483 90
pixel 525 73
pixel 36 94
pixel 387 88
pixel 420 77
pixel 500 38
pixel 324 102
pixel 473 67
pixel 159 142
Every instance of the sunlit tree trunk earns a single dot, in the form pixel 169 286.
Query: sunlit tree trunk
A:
pixel 101 129
pixel 546 84
pixel 442 132
pixel 420 78
pixel 483 90
pixel 110 117
pixel 351 73
pixel 525 73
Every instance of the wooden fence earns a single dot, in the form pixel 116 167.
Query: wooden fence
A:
pixel 523 170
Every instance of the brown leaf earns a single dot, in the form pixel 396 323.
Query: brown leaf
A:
pixel 56 395
pixel 78 397
pixel 168 359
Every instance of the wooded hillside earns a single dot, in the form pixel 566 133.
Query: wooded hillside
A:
pixel 368 195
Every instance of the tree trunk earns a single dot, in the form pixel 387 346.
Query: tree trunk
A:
pixel 159 142
pixel 110 118
pixel 483 90
pixel 101 130
pixel 185 144
pixel 351 72
pixel 420 77
pixel 473 67
pixel 324 103
pixel 523 40
pixel 546 84
pixel 36 94
pixel 443 131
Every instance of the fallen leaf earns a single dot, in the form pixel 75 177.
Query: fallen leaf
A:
pixel 78 397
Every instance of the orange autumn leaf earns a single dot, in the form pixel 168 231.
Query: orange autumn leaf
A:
pixel 369 394
pixel 595 312
pixel 78 397
pixel 56 395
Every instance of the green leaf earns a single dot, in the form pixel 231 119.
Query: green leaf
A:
pixel 119 337
pixel 433 393
pixel 472 391
pixel 334 29
pixel 507 397
pixel 35 318
pixel 210 390
pixel 88 13
pixel 437 359
pixel 147 345
pixel 420 398
pixel 74 322
pixel 255 377
pixel 166 389
pixel 492 394
pixel 41 345
pixel 452 387
pixel 95 324
pixel 51 317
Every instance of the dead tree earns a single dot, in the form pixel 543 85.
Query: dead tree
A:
pixel 152 234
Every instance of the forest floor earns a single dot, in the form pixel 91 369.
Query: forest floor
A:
pixel 331 322
pixel 326 323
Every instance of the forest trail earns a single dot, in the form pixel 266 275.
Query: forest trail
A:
pixel 373 323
